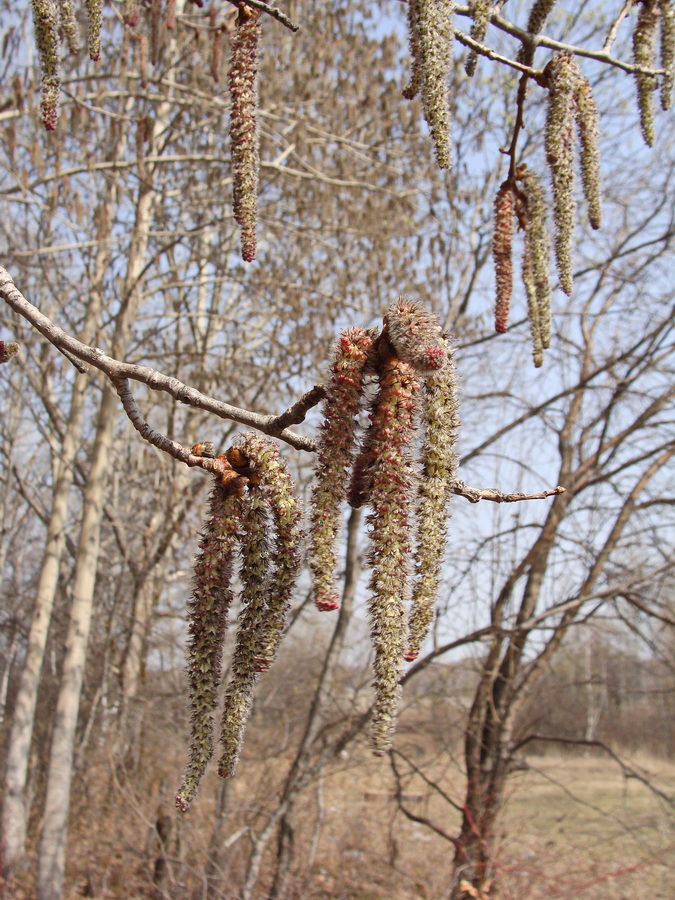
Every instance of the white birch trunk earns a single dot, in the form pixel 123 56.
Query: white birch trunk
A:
pixel 53 839
pixel 52 851
pixel 16 805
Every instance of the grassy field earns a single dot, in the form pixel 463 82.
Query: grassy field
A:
pixel 573 828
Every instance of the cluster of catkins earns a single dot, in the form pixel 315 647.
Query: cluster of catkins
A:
pixel 430 36
pixel 653 16
pixel 253 514
pixel 521 198
pixel 402 466
pixel 55 20
pixel 570 103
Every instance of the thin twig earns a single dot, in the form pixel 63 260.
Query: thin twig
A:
pixel 271 11
pixel 483 50
pixel 520 119
pixel 541 40
pixel 475 495
pixel 296 413
pixel 115 369
pixel 614 28
pixel 422 820
pixel 432 784
pixel 148 433
pixel 628 771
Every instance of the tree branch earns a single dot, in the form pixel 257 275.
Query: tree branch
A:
pixel 475 495
pixel 422 820
pixel 541 40
pixel 271 11
pixel 117 371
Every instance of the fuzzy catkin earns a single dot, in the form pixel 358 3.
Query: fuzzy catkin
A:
pixel 564 77
pixel 430 37
pixel 208 611
pixel 69 25
pixel 535 22
pixel 47 38
pixel 143 59
pixel 336 443
pixel 255 567
pixel 94 19
pixel 667 10
pixel 536 262
pixel 412 89
pixel 277 489
pixel 130 13
pixel 8 351
pixel 392 431
pixel 480 14
pixel 533 310
pixel 243 83
pixel 644 55
pixel 416 336
pixel 441 423
pixel 155 30
pixel 502 251
pixel 587 125
pixel 538 15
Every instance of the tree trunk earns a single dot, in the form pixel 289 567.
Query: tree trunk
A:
pixel 472 874
pixel 51 863
pixel 53 839
pixel 15 808
pixel 301 770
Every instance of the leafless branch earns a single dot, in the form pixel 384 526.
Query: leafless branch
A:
pixel 118 371
pixel 271 11
pixel 532 41
pixel 432 784
pixel 491 54
pixel 614 27
pixel 634 600
pixel 295 414
pixel 422 820
pixel 475 495
pixel 153 437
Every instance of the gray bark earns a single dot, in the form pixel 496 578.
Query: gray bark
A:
pixel 16 808
pixel 51 863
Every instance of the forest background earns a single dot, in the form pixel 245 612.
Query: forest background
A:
pixel 534 747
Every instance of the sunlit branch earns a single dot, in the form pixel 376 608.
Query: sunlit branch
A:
pixel 614 27
pixel 296 413
pixel 489 53
pixel 115 369
pixel 475 495
pixel 148 433
pixel 541 40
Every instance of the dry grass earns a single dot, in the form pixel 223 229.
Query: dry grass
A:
pixel 573 828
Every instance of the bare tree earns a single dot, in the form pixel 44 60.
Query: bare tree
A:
pixel 350 210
